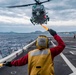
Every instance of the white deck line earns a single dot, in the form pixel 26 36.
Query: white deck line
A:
pixel 71 52
pixel 70 48
pixel 71 66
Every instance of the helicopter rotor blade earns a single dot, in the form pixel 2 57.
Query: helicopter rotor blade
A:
pixel 27 4
pixel 20 5
pixel 45 1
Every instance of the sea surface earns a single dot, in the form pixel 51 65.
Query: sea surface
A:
pixel 10 42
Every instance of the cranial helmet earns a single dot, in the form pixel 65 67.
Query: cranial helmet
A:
pixel 42 42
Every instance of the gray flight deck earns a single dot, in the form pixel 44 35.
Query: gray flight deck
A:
pixel 64 64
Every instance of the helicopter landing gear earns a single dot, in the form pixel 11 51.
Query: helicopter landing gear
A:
pixel 32 21
pixel 45 22
pixel 47 17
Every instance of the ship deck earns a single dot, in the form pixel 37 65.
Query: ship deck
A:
pixel 61 68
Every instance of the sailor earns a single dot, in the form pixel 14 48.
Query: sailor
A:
pixel 40 60
pixel 74 36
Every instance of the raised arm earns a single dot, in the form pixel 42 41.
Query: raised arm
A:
pixel 59 48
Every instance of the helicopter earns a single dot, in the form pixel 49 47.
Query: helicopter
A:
pixel 39 15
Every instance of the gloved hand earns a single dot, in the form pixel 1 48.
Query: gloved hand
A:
pixel 7 64
pixel 52 32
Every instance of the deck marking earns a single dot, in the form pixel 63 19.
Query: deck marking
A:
pixel 69 41
pixel 70 48
pixel 68 62
pixel 73 52
pixel 71 66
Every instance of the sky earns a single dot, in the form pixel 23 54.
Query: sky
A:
pixel 62 15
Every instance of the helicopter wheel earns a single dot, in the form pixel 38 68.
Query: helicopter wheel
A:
pixel 45 22
pixel 48 18
pixel 32 22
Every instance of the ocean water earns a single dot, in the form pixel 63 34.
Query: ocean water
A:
pixel 10 42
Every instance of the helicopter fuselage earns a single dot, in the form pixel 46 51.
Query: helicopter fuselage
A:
pixel 39 15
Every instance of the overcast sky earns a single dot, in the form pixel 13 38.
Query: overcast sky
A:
pixel 62 15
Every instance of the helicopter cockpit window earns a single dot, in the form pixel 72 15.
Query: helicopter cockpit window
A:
pixel 42 7
pixel 34 7
pixel 34 13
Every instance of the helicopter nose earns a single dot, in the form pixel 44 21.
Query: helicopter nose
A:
pixel 37 13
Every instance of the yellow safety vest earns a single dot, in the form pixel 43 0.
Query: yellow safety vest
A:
pixel 40 62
